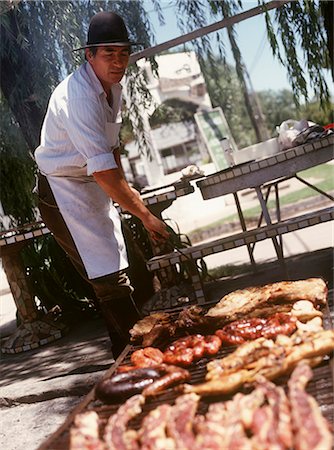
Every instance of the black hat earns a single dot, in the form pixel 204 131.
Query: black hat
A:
pixel 107 28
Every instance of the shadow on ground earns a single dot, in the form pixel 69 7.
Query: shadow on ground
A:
pixel 62 367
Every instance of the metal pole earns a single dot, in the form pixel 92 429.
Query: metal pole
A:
pixel 268 221
pixel 227 22
pixel 244 228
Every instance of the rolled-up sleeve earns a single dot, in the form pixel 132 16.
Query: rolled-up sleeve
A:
pixel 101 162
pixel 85 125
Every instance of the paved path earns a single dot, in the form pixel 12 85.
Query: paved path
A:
pixel 39 388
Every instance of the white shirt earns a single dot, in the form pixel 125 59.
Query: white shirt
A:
pixel 80 129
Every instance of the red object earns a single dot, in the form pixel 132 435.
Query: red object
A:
pixel 329 126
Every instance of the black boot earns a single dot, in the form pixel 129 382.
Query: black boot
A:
pixel 120 315
pixel 125 312
pixel 117 338
pixel 117 344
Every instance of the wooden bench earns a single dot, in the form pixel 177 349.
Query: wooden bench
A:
pixel 162 262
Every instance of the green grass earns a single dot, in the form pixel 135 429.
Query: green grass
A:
pixel 324 173
pixel 229 270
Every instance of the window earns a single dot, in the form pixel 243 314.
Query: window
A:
pixel 167 152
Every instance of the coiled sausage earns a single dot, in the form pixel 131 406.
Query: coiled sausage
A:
pixel 123 385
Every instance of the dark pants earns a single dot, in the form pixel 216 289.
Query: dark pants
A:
pixel 113 291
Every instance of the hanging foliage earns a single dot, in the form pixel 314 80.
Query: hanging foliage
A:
pixel 299 23
pixel 36 53
pixel 38 38
pixel 225 92
pixel 173 110
pixel 138 99
pixel 17 172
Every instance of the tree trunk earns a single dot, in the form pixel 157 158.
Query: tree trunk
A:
pixel 328 14
pixel 256 120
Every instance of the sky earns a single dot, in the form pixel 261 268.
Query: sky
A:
pixel 264 70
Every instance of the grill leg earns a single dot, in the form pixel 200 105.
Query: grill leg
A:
pixel 266 215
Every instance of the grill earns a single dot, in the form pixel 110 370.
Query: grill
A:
pixel 320 387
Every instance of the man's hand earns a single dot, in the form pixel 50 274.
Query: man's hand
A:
pixel 156 228
pixel 114 184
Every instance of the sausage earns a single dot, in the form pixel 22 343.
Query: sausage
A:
pixel 124 385
pixel 173 375
pixel 191 348
pixel 212 344
pixel 181 356
pixel 279 323
pixel 244 330
pixel 146 357
pixel 230 339
pixel 197 345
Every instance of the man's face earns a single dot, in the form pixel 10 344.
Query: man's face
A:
pixel 109 63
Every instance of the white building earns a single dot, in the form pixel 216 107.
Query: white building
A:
pixel 174 146
pixel 180 77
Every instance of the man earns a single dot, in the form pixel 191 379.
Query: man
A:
pixel 80 171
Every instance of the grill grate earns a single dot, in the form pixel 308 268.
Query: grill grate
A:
pixel 320 387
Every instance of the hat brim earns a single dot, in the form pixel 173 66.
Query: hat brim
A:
pixel 108 44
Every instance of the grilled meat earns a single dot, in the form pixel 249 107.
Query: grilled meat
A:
pixel 152 433
pixel 116 434
pixel 244 330
pixel 280 430
pixel 188 349
pixel 311 430
pixel 180 423
pixel 243 302
pixel 170 376
pixel 85 433
pixel 146 325
pixel 146 357
pixel 262 357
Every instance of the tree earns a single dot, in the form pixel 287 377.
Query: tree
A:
pixel 36 53
pixel 277 107
pixel 30 50
pixel 224 91
pixel 16 165
pixel 327 9
pixel 255 118
pixel 173 110
pixel 301 22
pixel 280 106
pixel 37 38
pixel 313 112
